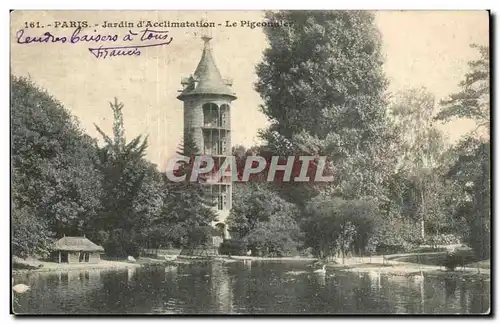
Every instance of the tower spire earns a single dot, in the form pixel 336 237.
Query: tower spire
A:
pixel 207 78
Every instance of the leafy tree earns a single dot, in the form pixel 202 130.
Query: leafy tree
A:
pixel 55 186
pixel 421 146
pixel 189 206
pixel 254 203
pixel 264 220
pixel 323 87
pixel 470 169
pixel 345 238
pixel 278 236
pixel 30 235
pixel 471 174
pixel 473 99
pixel 337 225
pixel 132 188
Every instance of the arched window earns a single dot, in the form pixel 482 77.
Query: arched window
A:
pixel 210 114
pixel 224 116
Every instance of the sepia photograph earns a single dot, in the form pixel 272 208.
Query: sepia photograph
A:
pixel 291 162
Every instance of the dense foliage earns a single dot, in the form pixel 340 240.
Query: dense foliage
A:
pixel 55 185
pixel 470 170
pixel 323 88
pixel 397 182
pixel 64 183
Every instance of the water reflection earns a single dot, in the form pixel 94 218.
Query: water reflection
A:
pixel 247 287
pixel 221 288
pixel 321 278
pixel 130 274
pixel 171 270
pixel 374 280
pixel 450 286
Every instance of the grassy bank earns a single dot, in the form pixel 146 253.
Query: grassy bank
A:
pixel 43 266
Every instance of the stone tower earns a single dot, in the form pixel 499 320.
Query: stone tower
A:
pixel 207 101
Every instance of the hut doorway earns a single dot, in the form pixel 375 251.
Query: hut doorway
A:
pixel 64 257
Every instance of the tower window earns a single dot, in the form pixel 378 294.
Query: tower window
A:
pixel 210 114
pixel 224 116
pixel 222 199
pixel 221 120
pixel 218 150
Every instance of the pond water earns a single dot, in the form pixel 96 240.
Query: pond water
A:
pixel 242 288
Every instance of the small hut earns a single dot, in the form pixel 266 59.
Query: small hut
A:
pixel 77 250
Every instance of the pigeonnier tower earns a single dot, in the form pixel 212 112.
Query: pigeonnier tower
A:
pixel 207 101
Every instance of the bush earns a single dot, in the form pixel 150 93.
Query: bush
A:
pixel 387 243
pixel 333 224
pixel 443 239
pixel 233 247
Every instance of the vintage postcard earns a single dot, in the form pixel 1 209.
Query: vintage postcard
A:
pixel 250 162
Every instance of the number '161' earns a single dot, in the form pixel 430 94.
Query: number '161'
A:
pixel 31 24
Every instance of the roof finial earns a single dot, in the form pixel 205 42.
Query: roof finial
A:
pixel 206 32
pixel 206 39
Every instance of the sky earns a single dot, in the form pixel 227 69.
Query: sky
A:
pixel 421 48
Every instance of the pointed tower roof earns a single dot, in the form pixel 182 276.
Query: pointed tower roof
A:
pixel 207 78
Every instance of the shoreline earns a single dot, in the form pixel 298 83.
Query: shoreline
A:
pixel 409 269
pixel 374 264
pixel 242 258
pixel 53 266
pixel 256 258
pixel 389 265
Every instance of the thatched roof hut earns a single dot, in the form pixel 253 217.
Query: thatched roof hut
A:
pixel 72 249
pixel 72 243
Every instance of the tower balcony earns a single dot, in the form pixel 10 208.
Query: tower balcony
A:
pixel 221 195
pixel 216 142
pixel 212 179
pixel 215 116
pixel 209 126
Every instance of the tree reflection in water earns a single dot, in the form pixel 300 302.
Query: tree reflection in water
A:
pixel 244 287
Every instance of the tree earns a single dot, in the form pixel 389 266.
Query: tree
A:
pixel 323 87
pixel 337 225
pixel 471 175
pixel 132 189
pixel 255 203
pixel 55 187
pixel 278 236
pixel 30 235
pixel 470 169
pixel 189 206
pixel 345 238
pixel 421 146
pixel 473 99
